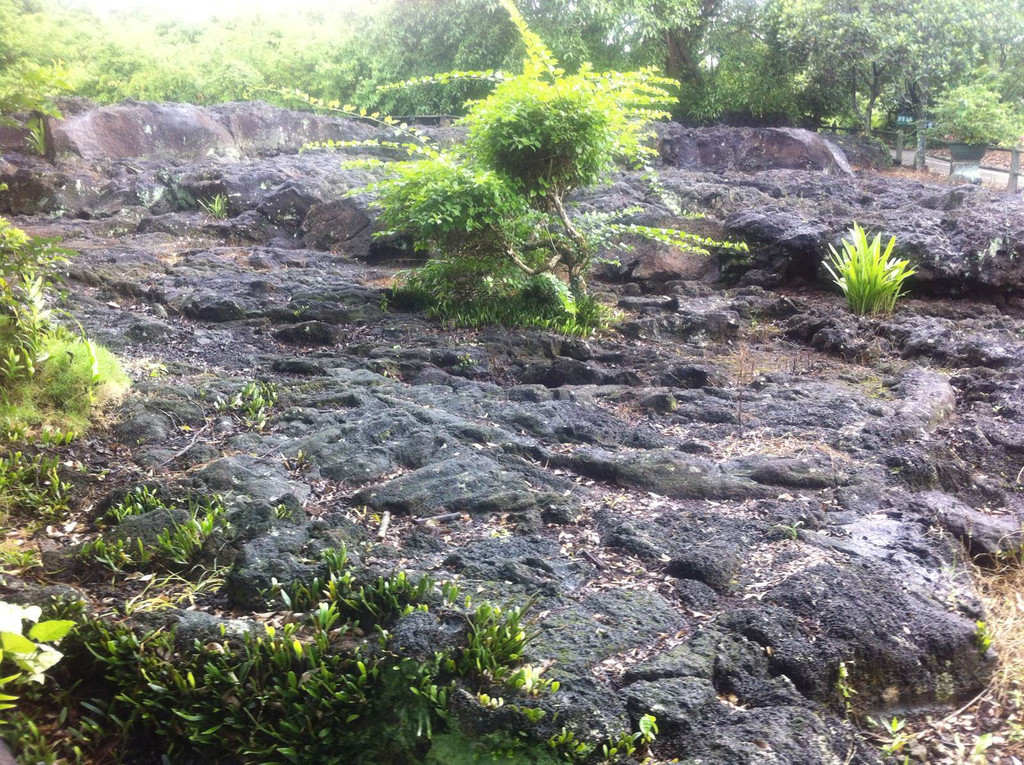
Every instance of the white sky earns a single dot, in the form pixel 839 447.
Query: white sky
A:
pixel 198 10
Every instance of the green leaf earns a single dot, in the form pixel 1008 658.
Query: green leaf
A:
pixel 49 631
pixel 16 643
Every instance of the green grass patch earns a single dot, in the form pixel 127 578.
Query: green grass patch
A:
pixel 77 379
pixel 470 293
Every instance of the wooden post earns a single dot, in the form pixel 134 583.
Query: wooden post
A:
pixel 899 148
pixel 922 145
pixel 1011 185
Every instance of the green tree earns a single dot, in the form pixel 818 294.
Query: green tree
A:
pixel 854 49
pixel 499 204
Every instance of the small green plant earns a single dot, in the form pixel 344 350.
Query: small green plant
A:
pixel 496 640
pixel 17 558
pixel 871 279
pixel 36 138
pixel 792 530
pixel 30 654
pixel 54 437
pixel 31 485
pixel 138 501
pixel 630 744
pixel 182 543
pixel 253 403
pixel 282 512
pixel 175 547
pixel 301 461
pixel 893 736
pixel 217 207
pixel 982 637
pixel 844 688
pixel 117 555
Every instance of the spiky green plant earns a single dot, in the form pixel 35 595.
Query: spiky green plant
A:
pixel 217 207
pixel 871 279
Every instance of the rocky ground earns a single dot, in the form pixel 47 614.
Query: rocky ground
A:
pixel 735 493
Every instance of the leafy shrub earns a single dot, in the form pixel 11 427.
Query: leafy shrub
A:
pixel 322 687
pixel 975 114
pixel 871 279
pixel 28 271
pixel 496 208
pixel 29 87
pixel 48 376
pixel 30 654
pixel 472 292
pixel 32 484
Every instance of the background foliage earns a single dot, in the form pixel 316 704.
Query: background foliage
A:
pixel 748 61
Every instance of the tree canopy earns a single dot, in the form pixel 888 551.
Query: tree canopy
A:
pixel 751 61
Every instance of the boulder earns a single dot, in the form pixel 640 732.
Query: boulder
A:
pixel 138 129
pixel 749 150
pixel 260 129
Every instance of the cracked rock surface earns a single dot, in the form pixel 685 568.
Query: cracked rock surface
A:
pixel 716 504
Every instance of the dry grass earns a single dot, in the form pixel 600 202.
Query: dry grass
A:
pixel 1002 591
pixel 924 176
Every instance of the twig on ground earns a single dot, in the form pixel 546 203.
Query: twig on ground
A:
pixel 593 559
pixel 385 523
pixel 188 446
pixel 438 518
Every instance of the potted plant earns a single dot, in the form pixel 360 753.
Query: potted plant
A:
pixel 974 115
pixel 972 118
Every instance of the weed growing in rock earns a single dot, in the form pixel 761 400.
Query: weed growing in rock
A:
pixel 15 559
pixel 31 484
pixel 117 555
pixel 265 696
pixel 253 403
pixel 843 687
pixel 893 738
pixel 36 138
pixel 181 543
pixel 468 295
pixel 138 501
pixel 871 279
pixel 216 207
pixel 175 547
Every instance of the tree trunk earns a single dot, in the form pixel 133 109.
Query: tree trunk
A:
pixel 683 48
pixel 577 284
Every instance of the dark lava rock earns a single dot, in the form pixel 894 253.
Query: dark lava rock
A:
pixel 254 478
pixel 134 129
pixel 176 131
pixel 309 333
pixel 333 225
pixel 562 371
pixel 984 535
pixel 471 484
pixel 863 152
pixel 748 149
pixel 699 542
